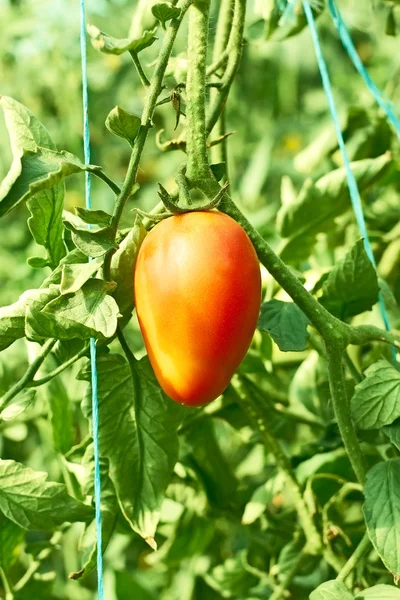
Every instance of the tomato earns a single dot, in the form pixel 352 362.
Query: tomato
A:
pixel 197 292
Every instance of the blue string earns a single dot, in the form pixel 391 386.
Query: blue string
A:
pixel 347 42
pixel 351 180
pixel 95 401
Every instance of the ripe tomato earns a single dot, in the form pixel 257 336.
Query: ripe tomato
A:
pixel 198 293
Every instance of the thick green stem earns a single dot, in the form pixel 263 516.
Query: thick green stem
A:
pixel 197 161
pixel 260 421
pixel 235 53
pixel 354 559
pixel 342 411
pixel 29 375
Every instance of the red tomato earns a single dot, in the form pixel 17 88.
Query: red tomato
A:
pixel 197 292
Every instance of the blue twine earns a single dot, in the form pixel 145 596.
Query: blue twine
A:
pixel 95 401
pixel 351 180
pixel 347 42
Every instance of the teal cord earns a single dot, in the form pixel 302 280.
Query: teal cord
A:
pixel 347 42
pixel 351 180
pixel 95 401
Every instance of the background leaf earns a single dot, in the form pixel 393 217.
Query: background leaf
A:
pixel 27 499
pixel 352 286
pixel 286 324
pixel 376 400
pixel 382 511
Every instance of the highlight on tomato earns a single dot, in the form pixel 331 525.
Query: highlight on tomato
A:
pixel 197 291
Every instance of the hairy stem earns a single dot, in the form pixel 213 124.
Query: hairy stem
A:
pixel 197 161
pixel 29 375
pixel 342 411
pixel 354 559
pixel 259 418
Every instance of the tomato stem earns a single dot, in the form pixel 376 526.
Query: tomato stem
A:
pixel 260 420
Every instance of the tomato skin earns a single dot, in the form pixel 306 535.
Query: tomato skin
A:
pixel 197 293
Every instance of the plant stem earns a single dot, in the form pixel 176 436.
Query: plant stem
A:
pixel 342 411
pixel 34 566
pixel 28 376
pixel 197 161
pixel 281 589
pixel 58 370
pixel 235 53
pixel 153 93
pixel 125 347
pixel 358 553
pixel 139 68
pixel 6 585
pixel 259 418
pixel 111 184
pixel 220 54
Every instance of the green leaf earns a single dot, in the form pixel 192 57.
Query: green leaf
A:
pixel 11 538
pixel 38 170
pixel 352 286
pixel 89 312
pixel 93 217
pixel 12 317
pixel 109 515
pixel 218 170
pixel 27 499
pixel 379 592
pixel 27 133
pixel 331 590
pixel 73 257
pixel 319 203
pixel 20 403
pixel 286 324
pixel 61 416
pixel 111 45
pixel 382 511
pixel 92 243
pixel 37 262
pixel 165 11
pixel 393 433
pixel 376 400
pixel 74 276
pixel 25 130
pixel 123 124
pixel 211 466
pixel 134 411
pixel 45 222
pixel 123 267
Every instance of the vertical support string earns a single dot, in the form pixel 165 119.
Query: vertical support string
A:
pixel 95 403
pixel 348 44
pixel 351 180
